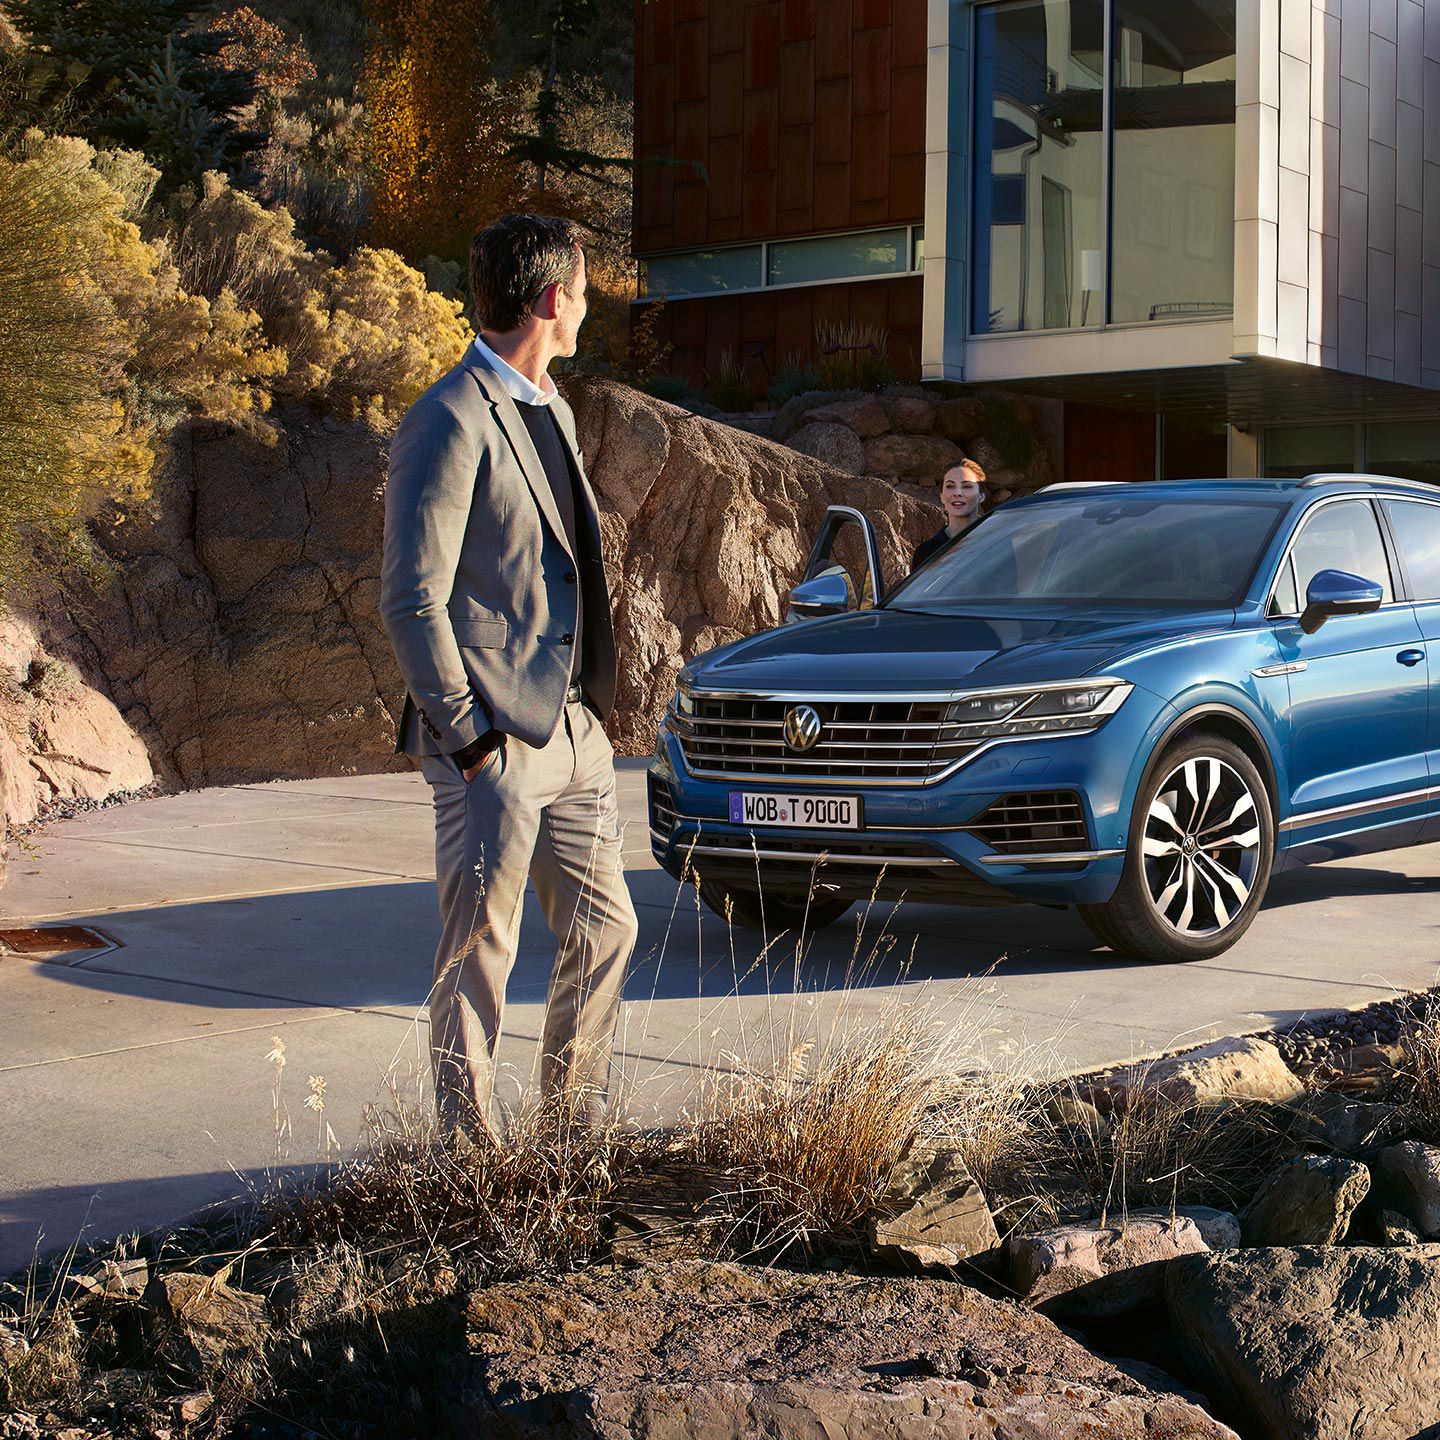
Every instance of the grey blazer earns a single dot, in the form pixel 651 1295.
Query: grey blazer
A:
pixel 479 589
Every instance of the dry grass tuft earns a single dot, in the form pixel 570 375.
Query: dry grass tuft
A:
pixel 1157 1151
pixel 811 1145
pixel 537 1204
pixel 1420 1076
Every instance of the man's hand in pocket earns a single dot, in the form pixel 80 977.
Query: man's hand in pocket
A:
pixel 487 759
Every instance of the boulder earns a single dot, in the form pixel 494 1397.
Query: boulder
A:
pixel 1407 1177
pixel 1219 1229
pixel 962 418
pixel 863 414
pixel 912 457
pixel 910 414
pixel 112 1282
pixel 834 445
pixel 203 1321
pixel 1246 1068
pixel 727 1352
pixel 239 633
pixel 1074 1116
pixel 794 412
pixel 1307 1201
pixel 935 1213
pixel 1397 1229
pixel 61 739
pixel 1357 1128
pixel 1099 1270
pixel 1315 1344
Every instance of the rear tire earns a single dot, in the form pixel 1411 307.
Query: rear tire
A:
pixel 1201 847
pixel 752 911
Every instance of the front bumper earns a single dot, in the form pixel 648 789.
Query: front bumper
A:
pixel 916 842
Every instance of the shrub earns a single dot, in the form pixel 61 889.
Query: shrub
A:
pixel 371 336
pixel 853 355
pixel 256 45
pixel 150 81
pixel 66 443
pixel 729 387
pixel 793 377
pixel 672 389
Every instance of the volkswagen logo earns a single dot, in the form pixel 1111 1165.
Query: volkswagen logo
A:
pixel 802 727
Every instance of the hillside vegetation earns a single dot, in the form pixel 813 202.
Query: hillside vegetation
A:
pixel 211 210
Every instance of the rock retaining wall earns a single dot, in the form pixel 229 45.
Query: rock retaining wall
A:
pixel 239 637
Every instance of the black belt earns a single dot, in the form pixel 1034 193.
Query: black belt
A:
pixel 574 695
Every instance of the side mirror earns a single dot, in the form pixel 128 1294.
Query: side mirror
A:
pixel 1337 592
pixel 828 594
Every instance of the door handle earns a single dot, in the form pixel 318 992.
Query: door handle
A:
pixel 1410 657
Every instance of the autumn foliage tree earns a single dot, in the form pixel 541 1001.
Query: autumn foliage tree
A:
pixel 437 125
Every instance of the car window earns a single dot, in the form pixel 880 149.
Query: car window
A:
pixel 1417 531
pixel 1343 535
pixel 1284 600
pixel 1136 549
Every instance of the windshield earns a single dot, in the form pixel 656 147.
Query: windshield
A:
pixel 1116 550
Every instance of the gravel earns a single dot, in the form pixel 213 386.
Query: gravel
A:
pixel 1319 1039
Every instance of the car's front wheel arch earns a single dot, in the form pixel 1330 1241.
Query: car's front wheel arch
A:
pixel 1216 718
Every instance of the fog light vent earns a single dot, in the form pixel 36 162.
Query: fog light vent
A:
pixel 1037 821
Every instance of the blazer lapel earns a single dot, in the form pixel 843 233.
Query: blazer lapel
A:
pixel 523 447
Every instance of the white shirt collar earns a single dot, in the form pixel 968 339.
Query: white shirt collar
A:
pixel 518 387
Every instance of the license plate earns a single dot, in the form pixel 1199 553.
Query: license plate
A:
pixel 803 812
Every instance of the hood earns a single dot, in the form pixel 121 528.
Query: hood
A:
pixel 905 651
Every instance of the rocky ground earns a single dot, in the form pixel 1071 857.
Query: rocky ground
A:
pixel 1207 1245
pixel 235 635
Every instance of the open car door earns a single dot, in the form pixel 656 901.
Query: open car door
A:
pixel 843 571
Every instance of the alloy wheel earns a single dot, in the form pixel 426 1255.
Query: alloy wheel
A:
pixel 1201 848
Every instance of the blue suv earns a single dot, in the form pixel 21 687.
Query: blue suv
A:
pixel 1140 700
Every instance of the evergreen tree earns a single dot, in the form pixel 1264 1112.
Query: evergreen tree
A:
pixel 543 146
pixel 152 82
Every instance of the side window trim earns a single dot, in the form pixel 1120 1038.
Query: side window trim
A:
pixel 1305 519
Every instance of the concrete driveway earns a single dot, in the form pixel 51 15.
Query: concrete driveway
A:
pixel 135 1084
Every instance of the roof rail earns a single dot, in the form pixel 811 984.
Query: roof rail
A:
pixel 1078 485
pixel 1330 477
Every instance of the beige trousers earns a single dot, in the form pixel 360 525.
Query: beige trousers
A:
pixel 549 815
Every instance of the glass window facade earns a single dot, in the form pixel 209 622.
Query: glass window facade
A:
pixel 1172 166
pixel 852 255
pixel 832 257
pixel 1294 451
pixel 1407 449
pixel 699 271
pixel 1085 182
pixel 1039 165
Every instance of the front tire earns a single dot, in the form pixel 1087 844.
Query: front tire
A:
pixel 752 911
pixel 1200 852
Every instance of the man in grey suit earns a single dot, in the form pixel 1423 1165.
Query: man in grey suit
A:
pixel 494 596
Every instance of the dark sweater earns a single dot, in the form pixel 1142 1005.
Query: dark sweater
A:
pixel 927 549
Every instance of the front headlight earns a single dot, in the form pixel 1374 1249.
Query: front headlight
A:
pixel 1047 710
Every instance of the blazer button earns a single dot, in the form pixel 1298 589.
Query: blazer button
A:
pixel 569 577
pixel 567 639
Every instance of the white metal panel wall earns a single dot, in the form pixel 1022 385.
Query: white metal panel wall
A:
pixel 1337 185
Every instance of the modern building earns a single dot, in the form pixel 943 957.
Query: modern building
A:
pixel 1210 228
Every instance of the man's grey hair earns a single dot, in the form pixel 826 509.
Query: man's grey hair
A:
pixel 512 263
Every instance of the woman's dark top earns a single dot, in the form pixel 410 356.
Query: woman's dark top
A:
pixel 933 546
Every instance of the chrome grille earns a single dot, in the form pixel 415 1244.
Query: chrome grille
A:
pixel 1033 822
pixel 898 740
